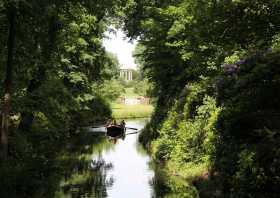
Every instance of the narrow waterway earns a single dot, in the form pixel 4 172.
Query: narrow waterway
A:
pixel 131 172
pixel 101 167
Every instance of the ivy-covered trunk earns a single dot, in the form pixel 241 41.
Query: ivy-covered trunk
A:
pixel 8 83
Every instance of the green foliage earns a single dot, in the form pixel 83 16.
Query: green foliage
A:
pixel 187 137
pixel 247 150
pixel 172 186
pixel 226 124
pixel 276 42
pixel 111 90
pixel 58 61
pixel 143 88
pixel 230 127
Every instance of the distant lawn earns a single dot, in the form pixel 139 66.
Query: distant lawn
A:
pixel 122 111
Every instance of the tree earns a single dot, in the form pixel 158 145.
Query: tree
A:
pixel 58 46
pixel 11 15
pixel 188 45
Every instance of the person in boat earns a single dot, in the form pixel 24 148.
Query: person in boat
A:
pixel 108 123
pixel 122 124
pixel 124 129
pixel 114 122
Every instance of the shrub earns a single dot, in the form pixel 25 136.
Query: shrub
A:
pixel 247 156
pixel 187 137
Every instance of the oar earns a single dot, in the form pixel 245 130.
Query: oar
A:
pixel 131 128
pixel 96 127
pixel 131 133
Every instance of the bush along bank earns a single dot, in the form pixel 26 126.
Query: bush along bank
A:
pixel 187 138
pixel 247 151
pixel 222 135
pixel 217 92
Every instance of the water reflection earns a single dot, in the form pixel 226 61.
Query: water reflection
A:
pixel 168 186
pixel 131 171
pixel 104 167
pixel 85 176
pixel 88 164
pixel 91 182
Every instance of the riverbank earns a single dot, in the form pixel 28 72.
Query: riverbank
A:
pixel 123 111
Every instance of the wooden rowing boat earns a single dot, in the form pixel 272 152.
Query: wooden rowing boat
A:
pixel 115 130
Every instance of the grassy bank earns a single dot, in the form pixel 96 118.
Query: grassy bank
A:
pixel 121 111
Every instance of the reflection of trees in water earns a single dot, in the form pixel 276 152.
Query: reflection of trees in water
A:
pixel 87 175
pixel 140 149
pixel 89 182
pixel 42 166
pixel 157 182
pixel 168 186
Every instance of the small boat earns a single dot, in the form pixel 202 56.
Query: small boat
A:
pixel 115 130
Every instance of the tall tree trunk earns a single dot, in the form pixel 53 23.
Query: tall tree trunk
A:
pixel 8 83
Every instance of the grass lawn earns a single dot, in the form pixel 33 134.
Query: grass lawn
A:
pixel 122 111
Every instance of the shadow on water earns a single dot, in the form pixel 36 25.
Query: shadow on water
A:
pixel 45 167
pixel 118 168
pixel 86 176
pixel 89 165
pixel 169 186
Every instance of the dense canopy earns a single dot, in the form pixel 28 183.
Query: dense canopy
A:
pixel 214 73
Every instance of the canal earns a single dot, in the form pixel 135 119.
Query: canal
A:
pixel 115 169
pixel 109 168
pixel 131 172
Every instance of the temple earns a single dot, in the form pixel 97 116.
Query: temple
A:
pixel 126 74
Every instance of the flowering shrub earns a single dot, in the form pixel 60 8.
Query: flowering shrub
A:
pixel 247 154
